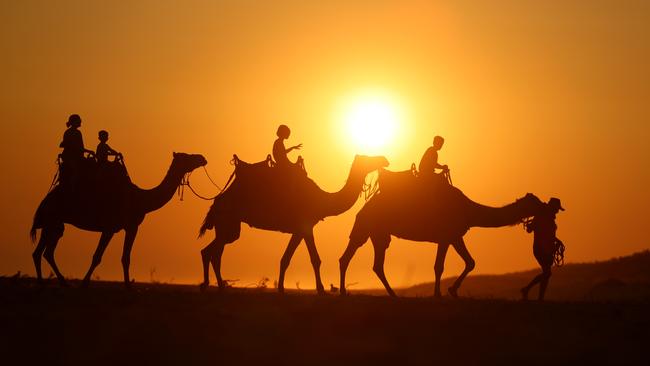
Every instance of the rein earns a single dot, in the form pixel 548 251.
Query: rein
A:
pixel 185 181
pixel 56 174
pixel 370 189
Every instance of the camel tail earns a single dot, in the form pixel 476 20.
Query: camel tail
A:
pixel 204 227
pixel 36 222
pixel 32 233
pixel 207 222
pixel 35 225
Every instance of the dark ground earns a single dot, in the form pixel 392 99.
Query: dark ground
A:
pixel 174 324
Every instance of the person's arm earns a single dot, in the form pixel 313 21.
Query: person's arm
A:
pixel 532 226
pixel 80 139
pixel 296 147
pixel 110 151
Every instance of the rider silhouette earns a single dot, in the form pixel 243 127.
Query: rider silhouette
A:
pixel 73 151
pixel 429 162
pixel 545 245
pixel 280 152
pixel 103 150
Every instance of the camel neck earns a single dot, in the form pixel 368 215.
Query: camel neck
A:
pixel 155 198
pixel 338 202
pixel 485 216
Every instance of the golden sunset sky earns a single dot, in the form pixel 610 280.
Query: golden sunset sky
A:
pixel 551 98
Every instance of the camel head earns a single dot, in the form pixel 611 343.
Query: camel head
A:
pixel 530 204
pixel 365 164
pixel 186 163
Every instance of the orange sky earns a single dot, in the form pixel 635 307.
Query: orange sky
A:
pixel 552 99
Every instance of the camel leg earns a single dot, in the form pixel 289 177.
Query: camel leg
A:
pixel 52 236
pixel 315 261
pixel 344 262
pixel 215 259
pixel 439 267
pixel 461 249
pixel 205 260
pixel 97 257
pixel 38 253
pixel 225 232
pixel 381 244
pixel 286 259
pixel 129 238
pixel 211 254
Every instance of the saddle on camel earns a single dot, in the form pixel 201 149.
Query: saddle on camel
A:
pixel 412 185
pixel 265 187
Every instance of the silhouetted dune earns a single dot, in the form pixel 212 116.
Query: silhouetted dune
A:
pixel 619 279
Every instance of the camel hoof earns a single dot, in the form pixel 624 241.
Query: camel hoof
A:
pixel 64 283
pixel 524 294
pixel 85 283
pixel 204 287
pixel 453 292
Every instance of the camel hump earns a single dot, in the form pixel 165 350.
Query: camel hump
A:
pixel 259 188
pixel 266 172
pixel 102 185
pixel 405 181
pixel 407 188
pixel 90 174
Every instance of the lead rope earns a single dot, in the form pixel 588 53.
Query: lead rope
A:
pixel 56 174
pixel 447 175
pixel 558 253
pixel 185 181
pixel 371 188
pixel 210 178
pixel 181 187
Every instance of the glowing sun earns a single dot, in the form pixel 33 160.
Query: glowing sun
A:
pixel 371 123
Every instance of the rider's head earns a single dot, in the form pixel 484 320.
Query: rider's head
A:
pixel 74 120
pixel 283 132
pixel 438 141
pixel 103 136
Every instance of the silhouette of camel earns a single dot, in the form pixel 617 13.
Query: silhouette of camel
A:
pixel 282 200
pixel 430 210
pixel 89 210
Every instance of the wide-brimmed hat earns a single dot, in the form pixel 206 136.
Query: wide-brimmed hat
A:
pixel 555 203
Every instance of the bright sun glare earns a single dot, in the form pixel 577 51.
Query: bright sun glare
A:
pixel 371 123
